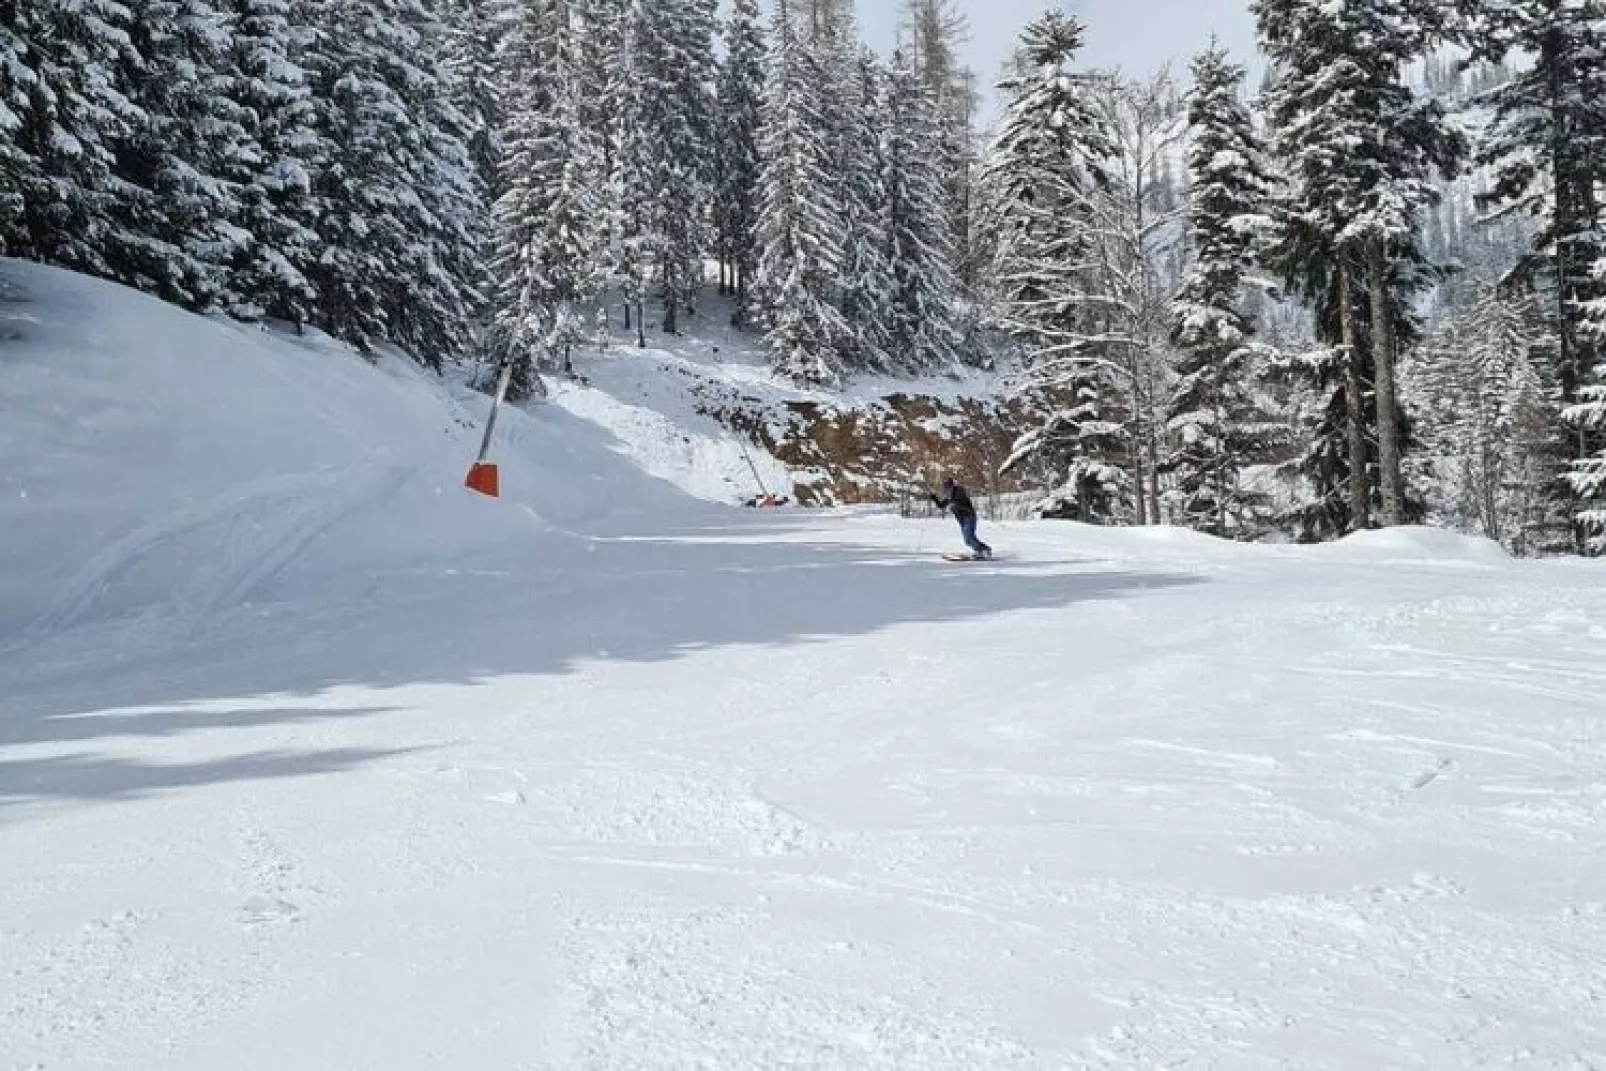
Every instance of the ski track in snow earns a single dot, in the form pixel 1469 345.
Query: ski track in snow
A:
pixel 238 542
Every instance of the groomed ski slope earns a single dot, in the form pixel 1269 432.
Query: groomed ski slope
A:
pixel 309 760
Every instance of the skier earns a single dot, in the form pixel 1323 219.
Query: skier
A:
pixel 955 498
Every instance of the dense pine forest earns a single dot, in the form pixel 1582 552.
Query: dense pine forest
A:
pixel 1368 289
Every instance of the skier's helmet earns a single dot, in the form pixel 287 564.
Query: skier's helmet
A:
pixel 947 483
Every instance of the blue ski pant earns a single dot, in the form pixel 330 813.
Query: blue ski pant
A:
pixel 967 528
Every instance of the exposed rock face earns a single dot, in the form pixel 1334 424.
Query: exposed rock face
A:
pixel 884 449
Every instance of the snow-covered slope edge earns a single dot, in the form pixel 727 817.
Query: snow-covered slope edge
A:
pixel 155 460
pixel 705 410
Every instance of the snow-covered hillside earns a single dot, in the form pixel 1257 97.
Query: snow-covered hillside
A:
pixel 157 458
pixel 311 759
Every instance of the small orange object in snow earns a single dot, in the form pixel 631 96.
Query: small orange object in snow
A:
pixel 483 478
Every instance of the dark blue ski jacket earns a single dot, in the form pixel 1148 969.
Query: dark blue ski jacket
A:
pixel 957 500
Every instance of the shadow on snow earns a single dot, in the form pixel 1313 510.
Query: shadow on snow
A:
pixel 572 604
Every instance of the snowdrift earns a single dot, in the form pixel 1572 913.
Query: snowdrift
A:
pixel 153 458
pixel 1412 544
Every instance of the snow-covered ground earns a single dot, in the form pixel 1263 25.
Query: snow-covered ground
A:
pixel 310 759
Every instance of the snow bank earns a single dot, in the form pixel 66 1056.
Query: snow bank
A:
pixel 152 457
pixel 1411 544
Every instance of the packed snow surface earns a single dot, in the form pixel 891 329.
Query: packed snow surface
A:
pixel 311 759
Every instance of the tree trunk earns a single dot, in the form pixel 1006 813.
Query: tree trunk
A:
pixel 1392 474
pixel 1220 475
pixel 1154 473
pixel 1221 501
pixel 671 306
pixel 1140 486
pixel 1354 404
pixel 1564 179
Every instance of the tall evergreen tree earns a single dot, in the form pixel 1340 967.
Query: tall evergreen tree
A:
pixel 271 168
pixel 925 308
pixel 1316 380
pixel 864 293
pixel 478 33
pixel 173 205
pixel 16 79
pixel 631 191
pixel 1488 411
pixel 1048 162
pixel 66 113
pixel 673 119
pixel 935 33
pixel 548 220
pixel 1362 152
pixel 800 235
pixel 1216 417
pixel 398 205
pixel 434 306
pixel 740 96
pixel 606 106
pixel 1546 144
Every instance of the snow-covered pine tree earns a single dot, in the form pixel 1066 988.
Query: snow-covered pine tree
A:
pixel 605 96
pixel 364 124
pixel 272 167
pixel 1588 475
pixel 671 45
pixel 1511 468
pixel 631 184
pixel 477 37
pixel 172 205
pixel 926 303
pixel 935 33
pixel 66 112
pixel 398 204
pixel 852 83
pixel 15 80
pixel 800 236
pixel 1546 143
pixel 1361 151
pixel 434 305
pixel 605 61
pixel 1047 163
pixel 548 221
pixel 817 19
pixel 740 98
pixel 1217 418
pixel 1487 420
pixel 1316 383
